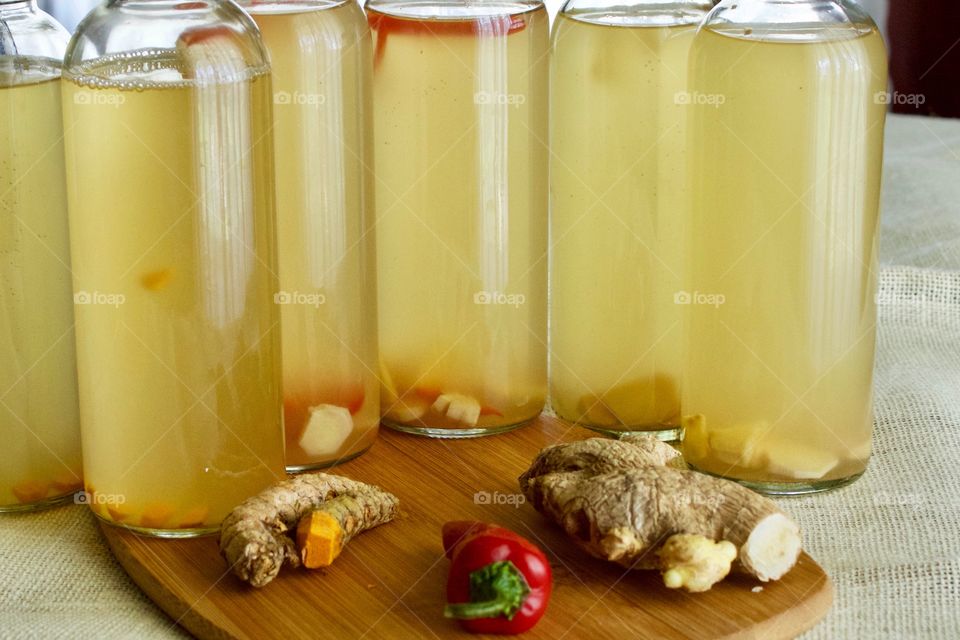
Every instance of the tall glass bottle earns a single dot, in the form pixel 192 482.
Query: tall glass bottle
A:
pixel 167 107
pixel 461 161
pixel 619 107
pixel 788 137
pixel 320 54
pixel 39 416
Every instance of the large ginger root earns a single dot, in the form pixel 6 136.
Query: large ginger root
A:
pixel 622 501
pixel 254 537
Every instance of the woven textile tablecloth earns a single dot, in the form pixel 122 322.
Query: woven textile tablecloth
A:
pixel 891 541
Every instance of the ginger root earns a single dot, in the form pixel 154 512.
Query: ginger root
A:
pixel 621 499
pixel 254 537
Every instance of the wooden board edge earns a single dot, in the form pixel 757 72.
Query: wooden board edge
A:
pixel 180 615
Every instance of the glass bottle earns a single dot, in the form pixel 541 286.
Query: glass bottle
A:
pixel 167 107
pixel 39 415
pixel 320 54
pixel 788 117
pixel 461 162
pixel 618 208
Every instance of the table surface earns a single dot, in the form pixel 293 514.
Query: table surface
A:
pixel 891 541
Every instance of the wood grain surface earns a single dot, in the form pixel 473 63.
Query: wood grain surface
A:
pixel 390 582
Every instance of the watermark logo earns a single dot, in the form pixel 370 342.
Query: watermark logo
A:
pixel 297 298
pixel 696 98
pixel 495 97
pixel 715 300
pixel 896 98
pixel 895 499
pixel 498 298
pixel 98 99
pixel 99 298
pixel 99 499
pixel 299 99
pixel 487 498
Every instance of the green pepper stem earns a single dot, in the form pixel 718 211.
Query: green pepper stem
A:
pixel 498 589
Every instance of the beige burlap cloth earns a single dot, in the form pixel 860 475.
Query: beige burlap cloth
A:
pixel 891 541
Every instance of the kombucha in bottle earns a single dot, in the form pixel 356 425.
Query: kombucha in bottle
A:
pixel 170 181
pixel 39 414
pixel 787 134
pixel 461 162
pixel 321 63
pixel 618 207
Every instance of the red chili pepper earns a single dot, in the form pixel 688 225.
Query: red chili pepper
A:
pixel 499 581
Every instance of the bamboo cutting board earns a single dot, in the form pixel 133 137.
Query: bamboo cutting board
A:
pixel 390 582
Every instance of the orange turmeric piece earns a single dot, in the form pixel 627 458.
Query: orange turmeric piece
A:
pixel 67 482
pixel 157 280
pixel 118 512
pixel 30 491
pixel 194 518
pixel 155 515
pixel 320 539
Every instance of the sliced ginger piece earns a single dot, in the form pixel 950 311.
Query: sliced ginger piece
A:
pixel 456 406
pixel 798 460
pixel 30 491
pixel 694 562
pixel 696 440
pixel 594 412
pixel 409 408
pixel 328 427
pixel 645 402
pixel 740 445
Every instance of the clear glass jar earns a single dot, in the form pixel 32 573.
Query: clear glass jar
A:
pixel 167 107
pixel 39 415
pixel 788 116
pixel 320 54
pixel 618 208
pixel 461 162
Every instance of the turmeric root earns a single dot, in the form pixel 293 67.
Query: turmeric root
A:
pixel 254 537
pixel 621 500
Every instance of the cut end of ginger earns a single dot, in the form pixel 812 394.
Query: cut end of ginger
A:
pixel 327 429
pixel 772 548
pixel 319 539
pixel 462 408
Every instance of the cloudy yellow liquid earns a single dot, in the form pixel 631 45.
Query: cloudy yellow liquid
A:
pixel 39 416
pixel 786 184
pixel 619 198
pixel 323 129
pixel 461 161
pixel 171 215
